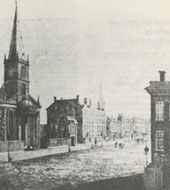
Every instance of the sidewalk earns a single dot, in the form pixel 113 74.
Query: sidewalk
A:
pixel 25 155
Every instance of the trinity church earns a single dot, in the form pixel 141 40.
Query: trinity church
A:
pixel 19 111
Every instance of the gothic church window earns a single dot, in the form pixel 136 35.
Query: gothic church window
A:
pixel 23 89
pixel 23 72
pixel 10 126
pixel 159 111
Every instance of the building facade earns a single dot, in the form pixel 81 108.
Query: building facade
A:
pixel 156 174
pixel 90 122
pixel 114 128
pixel 19 111
pixel 64 119
pixel 128 128
pixel 141 128
pixel 160 119
pixel 93 122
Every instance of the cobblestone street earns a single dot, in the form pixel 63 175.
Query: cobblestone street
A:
pixel 71 170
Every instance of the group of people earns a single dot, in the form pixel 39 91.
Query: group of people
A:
pixel 119 145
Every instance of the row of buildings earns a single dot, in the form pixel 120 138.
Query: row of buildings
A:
pixel 128 128
pixel 68 118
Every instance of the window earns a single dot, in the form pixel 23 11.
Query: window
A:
pixel 159 140
pixel 23 72
pixel 159 110
pixel 10 126
pixel 23 89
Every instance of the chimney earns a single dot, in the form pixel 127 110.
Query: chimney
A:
pixel 85 100
pixel 162 76
pixel 77 97
pixel 55 98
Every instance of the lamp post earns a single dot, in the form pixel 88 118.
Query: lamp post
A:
pixel 146 149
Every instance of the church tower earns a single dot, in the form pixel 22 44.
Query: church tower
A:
pixel 16 66
pixel 19 111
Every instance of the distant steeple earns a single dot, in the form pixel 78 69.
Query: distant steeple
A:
pixel 38 99
pixel 100 101
pixel 16 45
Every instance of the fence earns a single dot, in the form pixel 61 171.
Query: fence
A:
pixel 58 141
pixel 6 146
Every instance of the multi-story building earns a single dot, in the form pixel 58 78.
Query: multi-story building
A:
pixel 113 126
pixel 19 111
pixel 64 119
pixel 94 122
pixel 91 121
pixel 126 128
pixel 129 128
pixel 156 174
pixel 140 127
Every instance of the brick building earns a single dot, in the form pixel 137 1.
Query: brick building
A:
pixel 19 111
pixel 156 174
pixel 64 119
pixel 90 120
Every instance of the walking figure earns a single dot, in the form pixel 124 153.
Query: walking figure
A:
pixel 69 149
pixel 115 144
pixel 95 142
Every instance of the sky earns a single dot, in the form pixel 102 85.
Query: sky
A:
pixel 76 45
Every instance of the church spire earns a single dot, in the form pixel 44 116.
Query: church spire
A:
pixel 16 46
pixel 100 101
pixel 13 45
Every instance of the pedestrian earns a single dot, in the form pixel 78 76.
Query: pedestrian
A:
pixel 69 149
pixel 95 142
pixel 115 144
pixel 137 141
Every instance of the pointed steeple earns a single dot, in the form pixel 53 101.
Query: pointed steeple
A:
pixel 38 99
pixel 100 101
pixel 13 45
pixel 16 46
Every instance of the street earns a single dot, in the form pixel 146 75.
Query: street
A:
pixel 74 169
